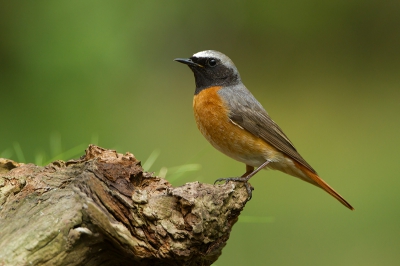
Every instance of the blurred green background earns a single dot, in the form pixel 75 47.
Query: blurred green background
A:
pixel 79 72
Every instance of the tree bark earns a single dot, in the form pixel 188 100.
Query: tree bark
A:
pixel 103 209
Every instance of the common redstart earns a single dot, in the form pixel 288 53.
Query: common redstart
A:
pixel 236 124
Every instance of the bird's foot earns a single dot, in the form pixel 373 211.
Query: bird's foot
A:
pixel 249 188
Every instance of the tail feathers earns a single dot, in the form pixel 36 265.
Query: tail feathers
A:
pixel 316 180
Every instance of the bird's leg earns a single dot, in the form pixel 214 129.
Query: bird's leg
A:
pixel 250 172
pixel 249 188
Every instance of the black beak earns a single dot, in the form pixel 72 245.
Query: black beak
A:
pixel 187 61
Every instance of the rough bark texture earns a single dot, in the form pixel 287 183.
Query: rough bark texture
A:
pixel 104 210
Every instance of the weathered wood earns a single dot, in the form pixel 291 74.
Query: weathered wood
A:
pixel 104 210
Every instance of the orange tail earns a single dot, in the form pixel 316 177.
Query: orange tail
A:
pixel 322 184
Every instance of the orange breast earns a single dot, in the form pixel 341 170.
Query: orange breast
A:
pixel 212 119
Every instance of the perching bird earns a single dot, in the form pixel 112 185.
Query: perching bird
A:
pixel 235 123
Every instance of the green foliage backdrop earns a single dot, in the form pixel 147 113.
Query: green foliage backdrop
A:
pixel 80 72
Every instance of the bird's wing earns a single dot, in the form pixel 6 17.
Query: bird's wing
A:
pixel 248 113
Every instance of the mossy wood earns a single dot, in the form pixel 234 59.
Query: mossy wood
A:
pixel 103 209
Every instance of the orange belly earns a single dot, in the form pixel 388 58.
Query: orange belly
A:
pixel 212 119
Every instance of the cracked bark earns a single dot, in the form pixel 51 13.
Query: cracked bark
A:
pixel 104 210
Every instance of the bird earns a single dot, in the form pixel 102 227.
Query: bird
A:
pixel 236 124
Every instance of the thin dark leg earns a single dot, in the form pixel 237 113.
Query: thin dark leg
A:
pixel 250 172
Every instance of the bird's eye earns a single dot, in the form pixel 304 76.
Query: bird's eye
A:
pixel 212 62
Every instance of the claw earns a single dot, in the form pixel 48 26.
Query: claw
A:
pixel 221 179
pixel 249 188
pixel 249 173
pixel 237 179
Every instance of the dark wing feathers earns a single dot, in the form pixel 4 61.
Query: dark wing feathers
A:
pixel 248 113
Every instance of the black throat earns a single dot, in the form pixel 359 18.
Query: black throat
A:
pixel 218 76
